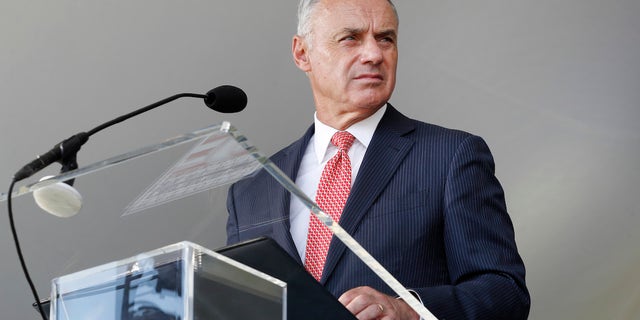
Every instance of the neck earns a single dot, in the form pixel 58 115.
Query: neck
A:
pixel 343 120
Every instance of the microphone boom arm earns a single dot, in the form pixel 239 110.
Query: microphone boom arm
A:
pixel 143 110
pixel 65 151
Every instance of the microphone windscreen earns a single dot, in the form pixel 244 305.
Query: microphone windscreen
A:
pixel 226 99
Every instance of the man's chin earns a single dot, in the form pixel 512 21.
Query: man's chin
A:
pixel 372 101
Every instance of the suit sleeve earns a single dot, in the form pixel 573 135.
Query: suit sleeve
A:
pixel 486 271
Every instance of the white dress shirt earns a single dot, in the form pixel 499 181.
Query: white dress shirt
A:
pixel 318 152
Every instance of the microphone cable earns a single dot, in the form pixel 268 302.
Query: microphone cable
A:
pixel 20 256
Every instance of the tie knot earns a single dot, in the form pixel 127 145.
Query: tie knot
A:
pixel 343 140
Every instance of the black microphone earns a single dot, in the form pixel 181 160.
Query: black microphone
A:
pixel 225 99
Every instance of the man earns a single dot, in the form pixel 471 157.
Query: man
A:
pixel 423 199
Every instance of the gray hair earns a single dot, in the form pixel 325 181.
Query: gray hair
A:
pixel 305 11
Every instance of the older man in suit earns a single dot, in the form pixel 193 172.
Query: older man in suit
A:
pixel 422 199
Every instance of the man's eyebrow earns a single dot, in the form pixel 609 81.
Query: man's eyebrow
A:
pixel 383 33
pixel 387 33
pixel 350 31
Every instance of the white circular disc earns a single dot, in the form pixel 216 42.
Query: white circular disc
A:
pixel 59 199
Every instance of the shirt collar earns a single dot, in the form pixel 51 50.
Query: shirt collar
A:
pixel 362 131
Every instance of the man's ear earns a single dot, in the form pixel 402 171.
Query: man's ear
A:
pixel 300 53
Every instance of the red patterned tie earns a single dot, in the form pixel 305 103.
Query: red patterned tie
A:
pixel 333 190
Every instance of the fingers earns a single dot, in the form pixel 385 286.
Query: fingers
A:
pixel 366 303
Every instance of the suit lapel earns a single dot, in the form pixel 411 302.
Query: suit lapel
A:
pixel 385 153
pixel 288 160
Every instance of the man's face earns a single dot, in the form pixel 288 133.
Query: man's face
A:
pixel 352 55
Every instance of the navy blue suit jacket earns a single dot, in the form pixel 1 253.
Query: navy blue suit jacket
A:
pixel 426 204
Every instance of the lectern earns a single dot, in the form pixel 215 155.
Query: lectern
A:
pixel 186 281
pixel 180 281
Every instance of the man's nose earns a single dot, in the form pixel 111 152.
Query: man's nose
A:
pixel 371 51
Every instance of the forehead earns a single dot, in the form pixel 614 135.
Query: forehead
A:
pixel 331 15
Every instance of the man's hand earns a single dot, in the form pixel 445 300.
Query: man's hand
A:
pixel 367 303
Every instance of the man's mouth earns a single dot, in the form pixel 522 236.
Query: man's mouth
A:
pixel 369 76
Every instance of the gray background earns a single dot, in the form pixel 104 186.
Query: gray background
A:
pixel 553 86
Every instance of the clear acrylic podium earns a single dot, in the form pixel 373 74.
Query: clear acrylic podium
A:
pixel 221 156
pixel 180 281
